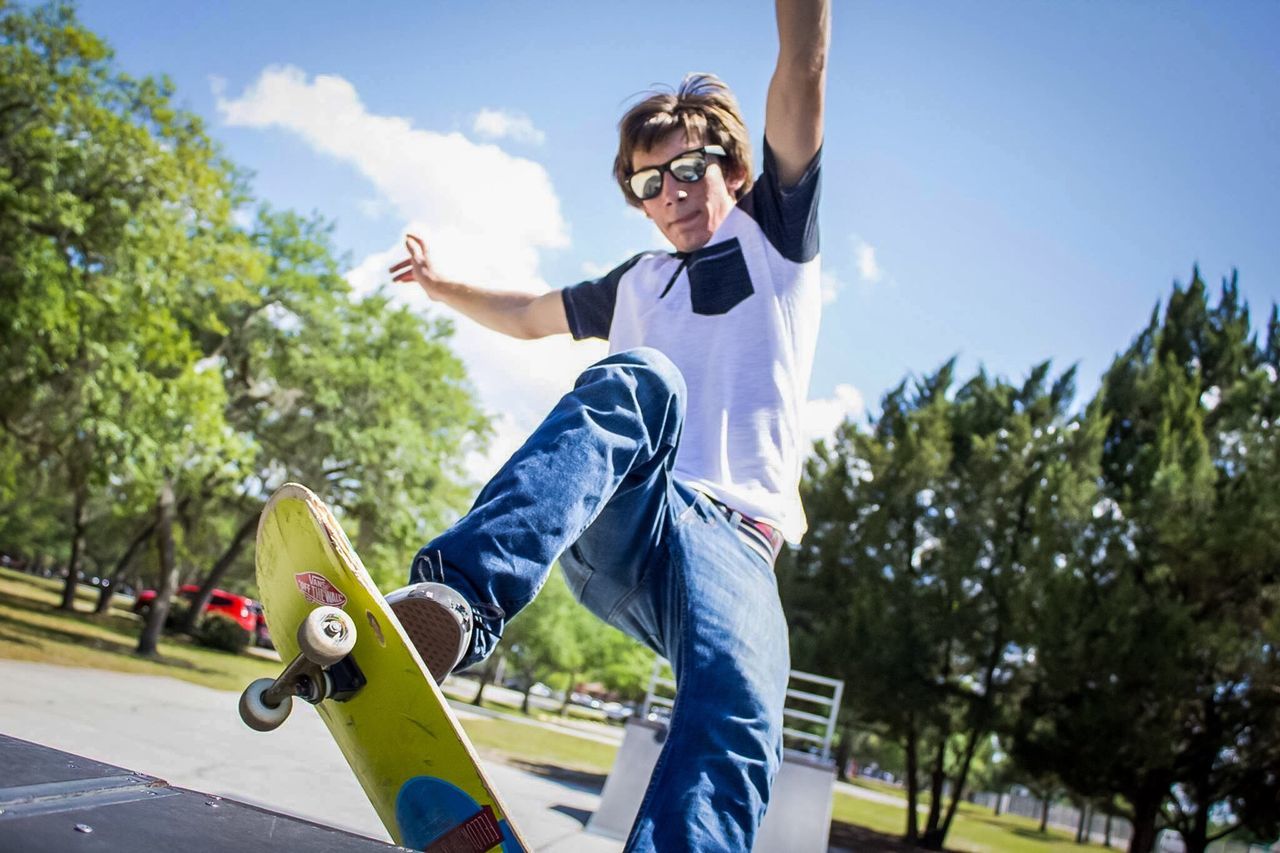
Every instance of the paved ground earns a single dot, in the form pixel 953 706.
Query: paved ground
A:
pixel 192 737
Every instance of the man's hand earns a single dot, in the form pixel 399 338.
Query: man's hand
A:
pixel 417 267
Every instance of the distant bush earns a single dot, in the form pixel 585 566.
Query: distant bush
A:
pixel 222 632
pixel 178 609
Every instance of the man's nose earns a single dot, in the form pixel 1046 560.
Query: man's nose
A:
pixel 672 190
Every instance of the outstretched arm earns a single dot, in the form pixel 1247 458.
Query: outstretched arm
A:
pixel 520 315
pixel 794 110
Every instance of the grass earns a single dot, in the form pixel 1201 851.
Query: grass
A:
pixel 975 828
pixel 538 746
pixel 32 628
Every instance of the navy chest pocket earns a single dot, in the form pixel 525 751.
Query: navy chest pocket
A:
pixel 718 278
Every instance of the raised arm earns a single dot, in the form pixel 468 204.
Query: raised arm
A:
pixel 794 110
pixel 520 315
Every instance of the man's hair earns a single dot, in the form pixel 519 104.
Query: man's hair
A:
pixel 704 108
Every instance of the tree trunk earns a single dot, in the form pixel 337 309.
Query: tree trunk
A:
pixel 843 751
pixel 933 832
pixel 79 505
pixel 1196 840
pixel 999 802
pixel 1106 842
pixel 196 610
pixel 1146 808
pixel 1196 836
pixel 1082 833
pixel 1044 815
pixel 149 642
pixel 959 781
pixel 564 706
pixel 524 703
pixel 913 791
pixel 108 590
pixel 487 676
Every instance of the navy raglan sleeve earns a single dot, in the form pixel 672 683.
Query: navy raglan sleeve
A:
pixel 589 304
pixel 787 216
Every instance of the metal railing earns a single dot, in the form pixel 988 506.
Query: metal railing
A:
pixel 809 713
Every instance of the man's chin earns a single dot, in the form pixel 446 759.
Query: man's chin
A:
pixel 689 242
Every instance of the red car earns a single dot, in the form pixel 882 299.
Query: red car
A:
pixel 241 608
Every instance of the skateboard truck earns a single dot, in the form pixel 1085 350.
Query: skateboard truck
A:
pixel 323 669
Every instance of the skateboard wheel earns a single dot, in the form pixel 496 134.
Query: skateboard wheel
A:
pixel 326 636
pixel 256 713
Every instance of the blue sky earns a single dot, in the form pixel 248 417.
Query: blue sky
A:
pixel 1005 181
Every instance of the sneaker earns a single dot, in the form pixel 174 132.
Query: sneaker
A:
pixel 438 621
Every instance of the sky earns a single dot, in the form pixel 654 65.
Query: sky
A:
pixel 1004 182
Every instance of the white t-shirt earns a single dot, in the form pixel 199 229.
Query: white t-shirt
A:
pixel 739 318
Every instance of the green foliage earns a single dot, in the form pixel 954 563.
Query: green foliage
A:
pixel 1157 668
pixel 615 659
pixel 1100 589
pixel 555 636
pixel 542 640
pixel 148 338
pixel 112 201
pixel 926 534
pixel 219 631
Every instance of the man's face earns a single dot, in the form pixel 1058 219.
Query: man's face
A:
pixel 687 214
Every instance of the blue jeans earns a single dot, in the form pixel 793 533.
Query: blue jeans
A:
pixel 592 487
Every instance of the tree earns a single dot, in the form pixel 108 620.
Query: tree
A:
pixel 925 531
pixel 1162 693
pixel 364 403
pixel 543 638
pixel 157 354
pixel 110 199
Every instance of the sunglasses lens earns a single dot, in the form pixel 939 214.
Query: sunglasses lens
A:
pixel 646 184
pixel 689 169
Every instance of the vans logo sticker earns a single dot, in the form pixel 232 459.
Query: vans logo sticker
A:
pixel 317 589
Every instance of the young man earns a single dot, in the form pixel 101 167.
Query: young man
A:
pixel 666 481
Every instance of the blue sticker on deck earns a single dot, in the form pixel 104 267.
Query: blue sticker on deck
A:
pixel 439 816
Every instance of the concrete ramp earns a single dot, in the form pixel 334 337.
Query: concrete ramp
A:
pixel 53 801
pixel 799 816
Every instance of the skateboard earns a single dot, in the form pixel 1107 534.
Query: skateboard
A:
pixel 349 657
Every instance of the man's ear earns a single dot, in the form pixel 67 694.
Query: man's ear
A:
pixel 735 178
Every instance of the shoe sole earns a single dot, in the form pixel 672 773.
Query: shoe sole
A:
pixel 434 632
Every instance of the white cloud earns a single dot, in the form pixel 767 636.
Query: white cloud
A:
pixel 821 417
pixel 451 185
pixel 485 215
pixel 592 269
pixel 831 287
pixel 868 265
pixel 500 124
pixel 373 208
pixel 597 269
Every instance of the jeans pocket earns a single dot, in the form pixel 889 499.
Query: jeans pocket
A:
pixel 718 278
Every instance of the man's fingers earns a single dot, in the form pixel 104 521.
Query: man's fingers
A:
pixel 407 262
pixel 417 248
pixel 404 277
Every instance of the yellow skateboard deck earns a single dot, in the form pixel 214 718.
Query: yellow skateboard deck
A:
pixel 397 732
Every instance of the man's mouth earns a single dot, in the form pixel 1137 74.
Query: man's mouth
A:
pixel 683 221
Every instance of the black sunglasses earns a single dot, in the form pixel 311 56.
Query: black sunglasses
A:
pixel 687 168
